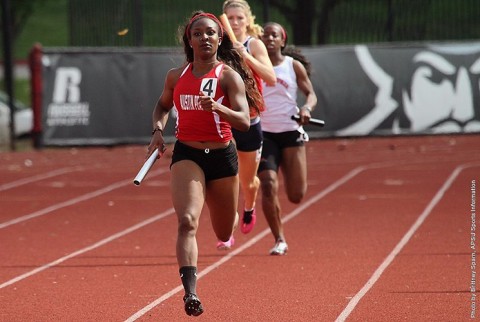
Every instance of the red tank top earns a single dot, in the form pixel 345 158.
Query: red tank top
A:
pixel 193 123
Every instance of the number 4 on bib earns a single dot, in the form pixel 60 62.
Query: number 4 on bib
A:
pixel 209 86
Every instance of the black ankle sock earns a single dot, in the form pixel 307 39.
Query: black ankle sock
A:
pixel 247 216
pixel 188 274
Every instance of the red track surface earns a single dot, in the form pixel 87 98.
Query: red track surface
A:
pixel 384 234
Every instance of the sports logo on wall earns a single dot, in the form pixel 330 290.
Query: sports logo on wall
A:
pixel 66 108
pixel 434 89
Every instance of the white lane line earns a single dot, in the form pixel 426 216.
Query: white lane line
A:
pixel 389 259
pixel 89 248
pixel 251 241
pixel 75 200
pixel 37 177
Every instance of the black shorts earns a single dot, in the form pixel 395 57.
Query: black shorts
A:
pixel 215 163
pixel 250 140
pixel 274 143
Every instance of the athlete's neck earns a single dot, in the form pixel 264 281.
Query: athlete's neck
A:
pixel 276 58
pixel 242 38
pixel 205 63
pixel 203 67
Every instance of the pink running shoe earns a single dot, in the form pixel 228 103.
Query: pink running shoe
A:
pixel 248 221
pixel 226 245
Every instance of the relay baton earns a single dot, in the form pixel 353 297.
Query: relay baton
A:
pixel 145 168
pixel 312 120
pixel 226 25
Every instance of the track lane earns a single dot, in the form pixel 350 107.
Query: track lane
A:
pixel 430 276
pixel 311 283
pixel 54 270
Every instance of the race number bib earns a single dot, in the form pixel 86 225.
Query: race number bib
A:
pixel 209 86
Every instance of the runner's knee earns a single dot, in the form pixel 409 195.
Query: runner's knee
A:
pixel 187 224
pixel 296 197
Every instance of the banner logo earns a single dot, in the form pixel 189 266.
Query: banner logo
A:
pixel 435 91
pixel 66 108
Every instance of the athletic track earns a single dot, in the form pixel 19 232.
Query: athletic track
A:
pixel 383 234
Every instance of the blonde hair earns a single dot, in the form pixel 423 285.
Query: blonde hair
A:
pixel 253 29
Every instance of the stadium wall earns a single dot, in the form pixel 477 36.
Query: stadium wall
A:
pixel 105 96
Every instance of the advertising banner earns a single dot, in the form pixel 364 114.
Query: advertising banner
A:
pixel 410 89
pixel 106 97
pixel 102 97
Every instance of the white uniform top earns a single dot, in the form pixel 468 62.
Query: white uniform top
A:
pixel 281 100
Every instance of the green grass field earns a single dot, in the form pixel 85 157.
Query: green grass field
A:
pixel 47 26
pixel 21 89
pixel 352 22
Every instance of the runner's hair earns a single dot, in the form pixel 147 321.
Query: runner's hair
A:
pixel 228 55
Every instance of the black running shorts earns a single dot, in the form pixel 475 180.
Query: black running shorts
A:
pixel 215 163
pixel 274 143
pixel 250 140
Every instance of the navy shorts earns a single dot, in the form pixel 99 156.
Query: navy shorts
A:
pixel 274 143
pixel 215 163
pixel 250 140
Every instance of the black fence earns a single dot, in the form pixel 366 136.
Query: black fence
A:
pixel 154 23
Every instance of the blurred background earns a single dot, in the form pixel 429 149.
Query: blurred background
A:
pixel 153 23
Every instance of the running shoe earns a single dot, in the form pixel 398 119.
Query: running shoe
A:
pixel 193 306
pixel 248 221
pixel 226 245
pixel 280 248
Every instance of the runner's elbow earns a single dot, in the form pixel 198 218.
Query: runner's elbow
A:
pixel 271 80
pixel 244 127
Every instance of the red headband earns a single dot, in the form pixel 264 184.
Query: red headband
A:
pixel 284 33
pixel 204 15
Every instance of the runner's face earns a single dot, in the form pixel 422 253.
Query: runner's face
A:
pixel 204 37
pixel 238 20
pixel 273 38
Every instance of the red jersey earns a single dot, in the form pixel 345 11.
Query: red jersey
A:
pixel 194 123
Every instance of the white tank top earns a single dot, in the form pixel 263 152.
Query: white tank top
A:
pixel 281 100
